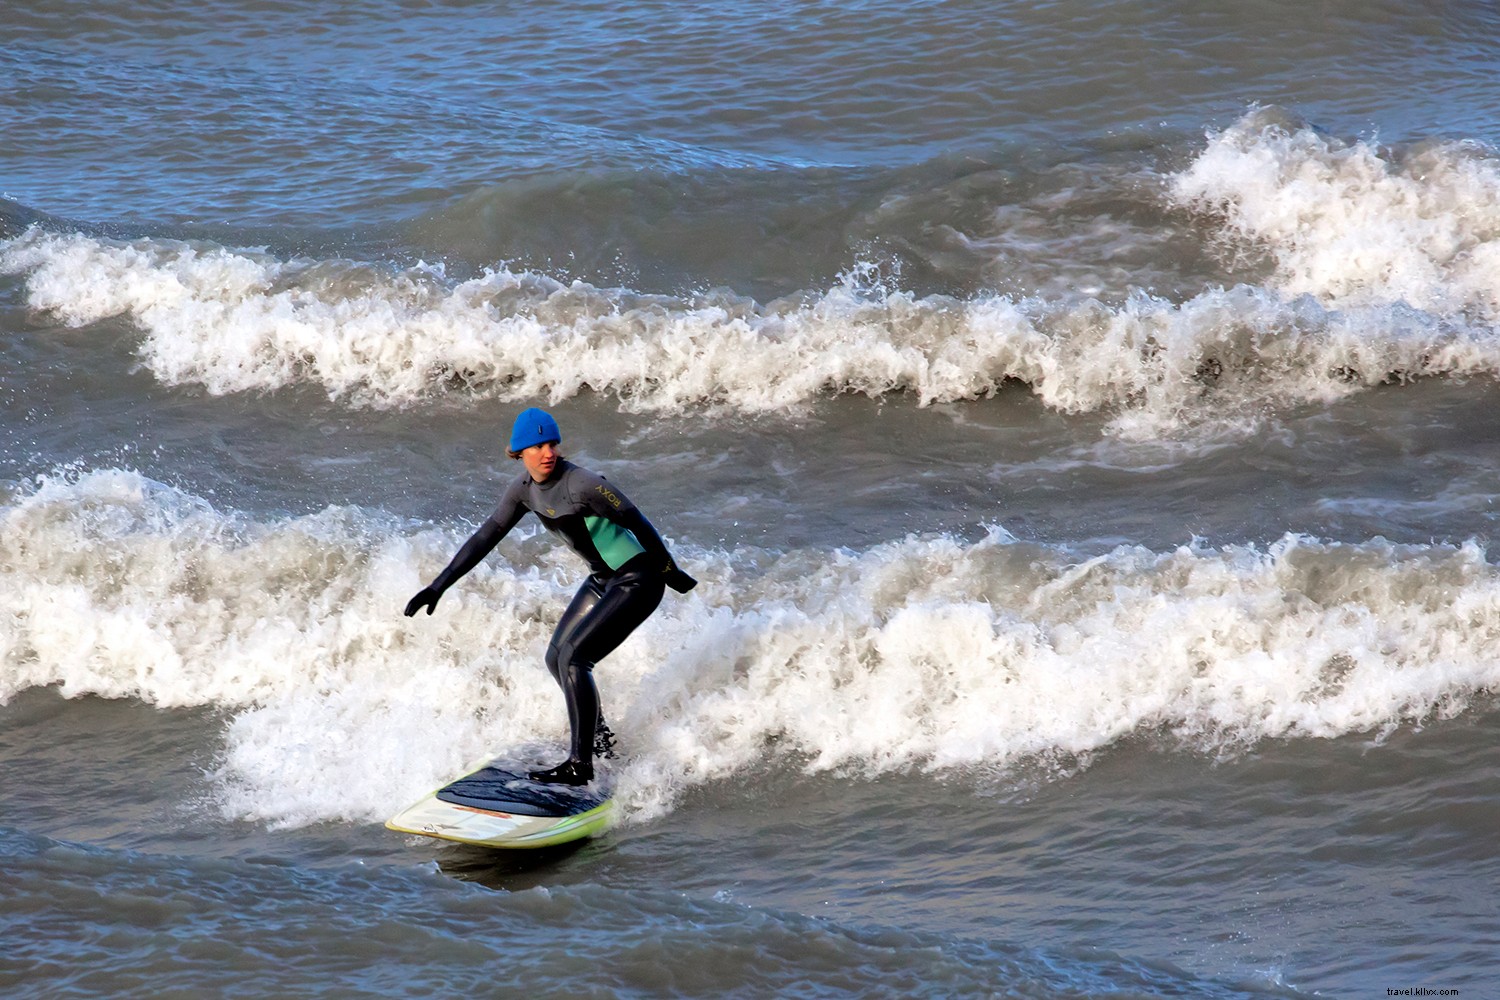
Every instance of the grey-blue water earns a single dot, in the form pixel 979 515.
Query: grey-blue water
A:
pixel 1079 417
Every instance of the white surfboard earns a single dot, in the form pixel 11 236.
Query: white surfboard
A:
pixel 494 806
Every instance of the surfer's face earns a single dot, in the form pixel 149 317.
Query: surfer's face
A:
pixel 541 460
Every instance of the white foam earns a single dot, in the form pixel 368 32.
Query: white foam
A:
pixel 924 653
pixel 237 321
pixel 1355 224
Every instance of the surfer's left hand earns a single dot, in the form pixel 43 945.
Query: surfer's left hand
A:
pixel 678 580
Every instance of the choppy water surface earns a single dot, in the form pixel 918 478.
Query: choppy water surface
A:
pixel 1080 418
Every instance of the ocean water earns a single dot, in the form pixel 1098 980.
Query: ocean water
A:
pixel 1080 417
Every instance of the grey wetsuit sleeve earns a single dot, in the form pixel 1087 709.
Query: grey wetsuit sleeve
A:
pixel 609 502
pixel 483 541
pixel 633 521
pixel 604 499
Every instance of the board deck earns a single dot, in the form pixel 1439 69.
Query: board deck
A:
pixel 495 806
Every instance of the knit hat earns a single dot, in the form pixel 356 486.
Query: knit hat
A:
pixel 533 426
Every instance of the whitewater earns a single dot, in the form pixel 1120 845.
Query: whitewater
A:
pixel 1080 419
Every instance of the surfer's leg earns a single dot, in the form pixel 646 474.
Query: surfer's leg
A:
pixel 578 608
pixel 628 599
pixel 583 602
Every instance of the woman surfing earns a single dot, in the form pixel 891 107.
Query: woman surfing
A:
pixel 629 566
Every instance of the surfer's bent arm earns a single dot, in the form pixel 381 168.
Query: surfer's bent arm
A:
pixel 635 522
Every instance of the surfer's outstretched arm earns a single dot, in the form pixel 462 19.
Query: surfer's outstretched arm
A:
pixel 472 552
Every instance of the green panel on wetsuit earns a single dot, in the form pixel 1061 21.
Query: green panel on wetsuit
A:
pixel 616 545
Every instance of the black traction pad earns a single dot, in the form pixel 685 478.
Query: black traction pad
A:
pixel 499 790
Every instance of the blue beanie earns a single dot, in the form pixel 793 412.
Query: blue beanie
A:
pixel 533 426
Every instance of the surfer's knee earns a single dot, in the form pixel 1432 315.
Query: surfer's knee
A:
pixel 577 666
pixel 564 657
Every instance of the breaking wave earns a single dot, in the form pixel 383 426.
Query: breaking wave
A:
pixel 923 654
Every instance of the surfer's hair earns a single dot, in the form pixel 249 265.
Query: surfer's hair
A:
pixel 516 454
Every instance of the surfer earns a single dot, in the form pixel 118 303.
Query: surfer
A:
pixel 629 566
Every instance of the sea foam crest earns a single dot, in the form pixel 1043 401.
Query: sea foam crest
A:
pixel 1355 223
pixel 925 653
pixel 236 321
pixel 1387 264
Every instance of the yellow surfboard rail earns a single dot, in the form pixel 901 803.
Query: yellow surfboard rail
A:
pixel 468 823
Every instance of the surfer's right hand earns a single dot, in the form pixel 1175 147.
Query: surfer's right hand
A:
pixel 426 597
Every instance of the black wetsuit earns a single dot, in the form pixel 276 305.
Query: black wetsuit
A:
pixel 629 567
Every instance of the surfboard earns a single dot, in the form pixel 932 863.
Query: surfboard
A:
pixel 494 806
